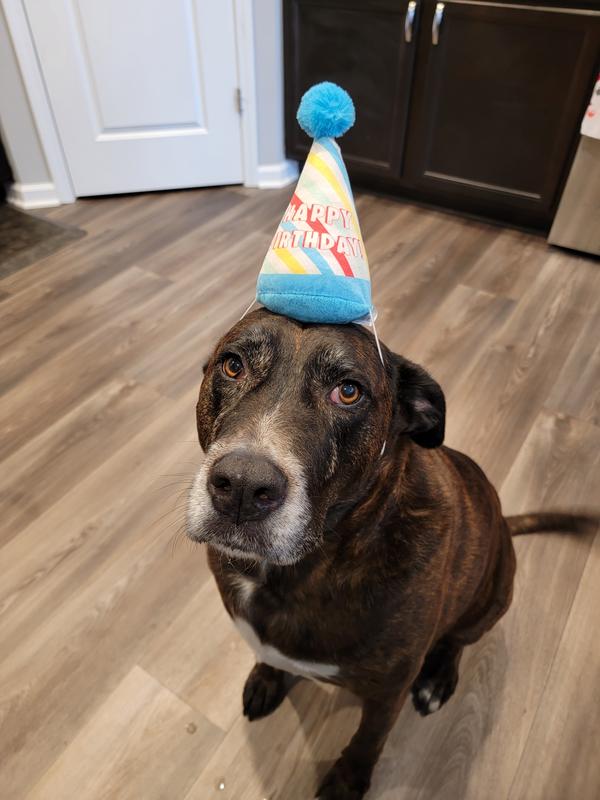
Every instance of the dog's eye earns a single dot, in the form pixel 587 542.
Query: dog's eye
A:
pixel 232 367
pixel 346 394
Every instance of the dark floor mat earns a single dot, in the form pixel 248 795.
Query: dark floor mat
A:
pixel 25 238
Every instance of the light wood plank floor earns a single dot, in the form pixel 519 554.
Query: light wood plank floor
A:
pixel 121 676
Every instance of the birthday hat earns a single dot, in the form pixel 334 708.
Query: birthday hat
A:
pixel 316 269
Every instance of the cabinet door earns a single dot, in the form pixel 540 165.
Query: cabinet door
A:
pixel 497 104
pixel 361 45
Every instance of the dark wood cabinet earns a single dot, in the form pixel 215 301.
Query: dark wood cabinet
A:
pixel 479 111
pixel 359 45
pixel 497 104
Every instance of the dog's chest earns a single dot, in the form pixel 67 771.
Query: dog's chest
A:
pixel 267 653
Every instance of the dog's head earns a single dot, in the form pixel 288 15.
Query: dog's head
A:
pixel 293 418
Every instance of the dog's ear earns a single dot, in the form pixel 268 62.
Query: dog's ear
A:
pixel 420 403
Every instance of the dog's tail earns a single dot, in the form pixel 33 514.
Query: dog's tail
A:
pixel 569 523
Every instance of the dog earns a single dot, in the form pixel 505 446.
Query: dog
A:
pixel 348 544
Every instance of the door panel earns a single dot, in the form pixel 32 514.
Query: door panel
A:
pixel 361 46
pixel 497 103
pixel 143 91
pixel 124 89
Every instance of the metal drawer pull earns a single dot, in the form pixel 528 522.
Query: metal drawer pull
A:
pixel 409 21
pixel 437 21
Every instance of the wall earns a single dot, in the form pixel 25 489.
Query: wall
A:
pixel 268 54
pixel 268 65
pixel 17 127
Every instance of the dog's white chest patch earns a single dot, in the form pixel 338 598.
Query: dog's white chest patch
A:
pixel 270 655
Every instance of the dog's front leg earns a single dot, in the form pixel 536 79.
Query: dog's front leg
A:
pixel 264 690
pixel 350 776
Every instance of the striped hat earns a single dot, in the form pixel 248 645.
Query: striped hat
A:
pixel 316 269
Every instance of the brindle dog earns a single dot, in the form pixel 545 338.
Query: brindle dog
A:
pixel 347 543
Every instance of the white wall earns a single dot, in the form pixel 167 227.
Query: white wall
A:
pixel 273 168
pixel 17 127
pixel 268 56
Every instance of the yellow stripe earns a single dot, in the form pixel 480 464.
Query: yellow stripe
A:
pixel 288 259
pixel 326 171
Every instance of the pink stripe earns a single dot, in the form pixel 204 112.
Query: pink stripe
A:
pixel 320 228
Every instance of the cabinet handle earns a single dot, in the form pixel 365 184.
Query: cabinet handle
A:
pixel 437 21
pixel 409 21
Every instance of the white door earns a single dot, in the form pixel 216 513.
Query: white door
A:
pixel 143 91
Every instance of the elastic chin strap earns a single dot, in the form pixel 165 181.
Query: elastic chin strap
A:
pixel 247 310
pixel 372 318
pixel 382 361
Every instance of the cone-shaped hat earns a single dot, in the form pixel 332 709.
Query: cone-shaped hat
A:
pixel 316 269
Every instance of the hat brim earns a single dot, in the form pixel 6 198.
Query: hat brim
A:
pixel 333 299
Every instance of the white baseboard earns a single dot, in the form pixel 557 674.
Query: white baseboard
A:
pixel 33 195
pixel 274 176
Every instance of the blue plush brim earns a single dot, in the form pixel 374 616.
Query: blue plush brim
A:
pixel 315 298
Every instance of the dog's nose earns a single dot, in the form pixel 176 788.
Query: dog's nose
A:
pixel 246 486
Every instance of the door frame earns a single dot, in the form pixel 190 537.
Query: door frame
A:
pixel 244 45
pixel 62 189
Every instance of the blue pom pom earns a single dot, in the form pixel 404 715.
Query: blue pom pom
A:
pixel 326 110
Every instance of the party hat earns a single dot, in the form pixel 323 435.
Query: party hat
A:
pixel 316 269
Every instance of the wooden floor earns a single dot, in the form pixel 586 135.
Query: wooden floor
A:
pixel 121 675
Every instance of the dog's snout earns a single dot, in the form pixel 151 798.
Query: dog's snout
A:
pixel 246 486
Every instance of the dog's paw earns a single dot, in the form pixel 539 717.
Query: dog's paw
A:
pixel 429 694
pixel 264 690
pixel 436 682
pixel 343 782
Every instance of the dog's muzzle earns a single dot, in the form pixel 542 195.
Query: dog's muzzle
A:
pixel 251 501
pixel 246 486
